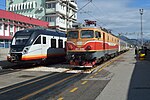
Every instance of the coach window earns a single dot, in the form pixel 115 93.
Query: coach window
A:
pixel 60 43
pixel 53 43
pixel 38 41
pixel 44 40
pixel 97 34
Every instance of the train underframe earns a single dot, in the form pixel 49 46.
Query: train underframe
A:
pixel 90 59
pixel 81 59
pixel 17 58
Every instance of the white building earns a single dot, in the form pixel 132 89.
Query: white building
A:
pixel 59 13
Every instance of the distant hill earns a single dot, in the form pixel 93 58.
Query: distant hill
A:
pixel 123 38
pixel 131 41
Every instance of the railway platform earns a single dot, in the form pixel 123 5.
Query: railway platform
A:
pixel 131 79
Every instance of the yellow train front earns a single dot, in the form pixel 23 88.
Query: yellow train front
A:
pixel 87 46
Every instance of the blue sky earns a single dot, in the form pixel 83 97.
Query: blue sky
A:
pixel 140 3
pixel 2 4
pixel 120 16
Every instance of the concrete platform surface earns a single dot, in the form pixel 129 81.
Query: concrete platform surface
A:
pixel 131 80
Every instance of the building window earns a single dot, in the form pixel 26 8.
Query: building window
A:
pixel 50 19
pixel 0 26
pixel 51 5
pixel 11 33
pixel 5 27
pixel 23 6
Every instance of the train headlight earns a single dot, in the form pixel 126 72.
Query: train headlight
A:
pixel 25 51
pixel 88 48
pixel 70 47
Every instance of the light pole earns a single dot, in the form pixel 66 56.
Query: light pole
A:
pixel 141 13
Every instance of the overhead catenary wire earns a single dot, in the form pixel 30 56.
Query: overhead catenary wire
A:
pixel 98 9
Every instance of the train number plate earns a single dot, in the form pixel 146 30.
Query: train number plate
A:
pixel 79 48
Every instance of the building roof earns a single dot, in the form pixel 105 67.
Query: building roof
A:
pixel 6 37
pixel 17 17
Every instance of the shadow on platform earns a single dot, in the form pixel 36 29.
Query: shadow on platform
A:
pixel 139 88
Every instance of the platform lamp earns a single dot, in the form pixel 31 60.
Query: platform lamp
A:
pixel 141 13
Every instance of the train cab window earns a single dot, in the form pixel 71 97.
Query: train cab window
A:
pixel 72 35
pixel 38 41
pixel 53 43
pixel 44 40
pixel 60 43
pixel 87 34
pixel 97 34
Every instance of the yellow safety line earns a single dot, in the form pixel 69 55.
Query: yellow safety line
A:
pixel 61 98
pixel 27 83
pixel 47 87
pixel 91 76
pixel 84 82
pixel 74 89
pixel 106 64
pixel 96 73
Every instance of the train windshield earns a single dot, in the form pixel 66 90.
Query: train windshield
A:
pixel 72 35
pixel 87 34
pixel 20 40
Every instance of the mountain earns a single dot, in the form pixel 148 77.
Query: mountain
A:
pixel 134 42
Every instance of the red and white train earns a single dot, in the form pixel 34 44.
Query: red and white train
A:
pixel 87 46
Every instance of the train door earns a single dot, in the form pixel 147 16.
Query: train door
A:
pixel 104 47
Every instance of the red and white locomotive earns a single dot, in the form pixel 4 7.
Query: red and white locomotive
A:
pixel 87 46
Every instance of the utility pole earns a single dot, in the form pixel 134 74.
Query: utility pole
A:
pixel 67 12
pixel 141 13
pixel 67 3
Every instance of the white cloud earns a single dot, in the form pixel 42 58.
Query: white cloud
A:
pixel 116 15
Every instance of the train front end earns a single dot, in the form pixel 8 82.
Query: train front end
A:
pixel 19 46
pixel 80 48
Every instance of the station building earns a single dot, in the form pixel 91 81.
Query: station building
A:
pixel 61 14
pixel 11 22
